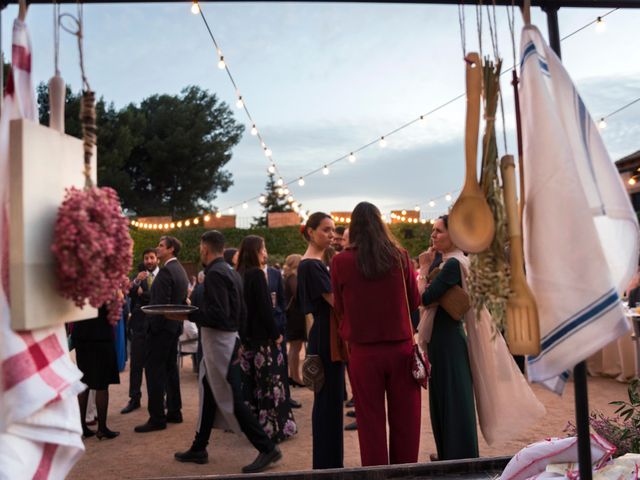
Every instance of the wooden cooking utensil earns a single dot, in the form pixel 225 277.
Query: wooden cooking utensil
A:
pixel 471 224
pixel 523 328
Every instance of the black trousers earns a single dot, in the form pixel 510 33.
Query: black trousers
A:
pixel 161 373
pixel 137 357
pixel 248 423
pixel 327 415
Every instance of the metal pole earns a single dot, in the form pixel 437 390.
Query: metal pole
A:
pixel 580 370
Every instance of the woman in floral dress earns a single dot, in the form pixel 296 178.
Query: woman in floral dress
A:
pixel 264 372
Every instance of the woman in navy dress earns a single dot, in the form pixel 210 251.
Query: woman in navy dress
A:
pixel 315 297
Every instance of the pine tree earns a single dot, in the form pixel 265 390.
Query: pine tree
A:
pixel 275 201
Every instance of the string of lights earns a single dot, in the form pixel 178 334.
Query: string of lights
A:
pixel 381 141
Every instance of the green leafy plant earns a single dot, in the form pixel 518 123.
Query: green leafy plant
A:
pixel 622 431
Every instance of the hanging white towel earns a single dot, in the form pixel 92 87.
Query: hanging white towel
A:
pixel 39 415
pixel 580 231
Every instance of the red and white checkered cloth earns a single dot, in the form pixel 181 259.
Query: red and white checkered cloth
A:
pixel 39 416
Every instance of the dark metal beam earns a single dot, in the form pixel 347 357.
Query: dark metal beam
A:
pixel 534 3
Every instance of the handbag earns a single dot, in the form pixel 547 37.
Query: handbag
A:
pixel 312 367
pixel 420 366
pixel 455 301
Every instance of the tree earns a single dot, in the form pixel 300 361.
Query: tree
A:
pixel 275 201
pixel 163 157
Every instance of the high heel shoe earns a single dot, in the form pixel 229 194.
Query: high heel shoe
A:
pixel 293 383
pixel 106 434
pixel 86 433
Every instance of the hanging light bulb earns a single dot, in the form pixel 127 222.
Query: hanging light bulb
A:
pixel 422 120
pixel 295 207
pixel 245 205
pixel 207 218
pixel 432 204
pixel 195 8
pixel 601 27
pixel 632 181
pixel 602 124
pixel 325 170
pixel 423 221
pixel 404 212
pixel 290 199
pixel 179 224
pixel 262 199
pixel 254 130
pixel 280 182
pixel 173 225
pixel 231 211
pixel 432 221
pixel 382 143
pixel 272 168
pixel 196 221
pixel 286 191
pixel 417 208
pixel 218 214
pixel 448 197
pixel 187 223
pixel 301 182
pixel 240 103
pixel 268 153
pixel 280 192
pixel 221 64
pixel 352 157
pixel 166 226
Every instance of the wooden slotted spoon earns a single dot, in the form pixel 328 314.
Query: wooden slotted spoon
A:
pixel 471 224
pixel 523 328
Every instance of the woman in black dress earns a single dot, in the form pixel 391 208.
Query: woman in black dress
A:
pixel 264 389
pixel 315 297
pixel 296 328
pixel 94 341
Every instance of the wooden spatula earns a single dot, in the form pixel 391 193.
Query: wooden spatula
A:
pixel 523 328
pixel 471 224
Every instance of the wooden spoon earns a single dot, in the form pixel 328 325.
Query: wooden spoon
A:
pixel 523 328
pixel 471 224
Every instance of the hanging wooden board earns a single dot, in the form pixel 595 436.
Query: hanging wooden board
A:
pixel 43 162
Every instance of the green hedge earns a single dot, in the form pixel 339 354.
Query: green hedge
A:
pixel 280 241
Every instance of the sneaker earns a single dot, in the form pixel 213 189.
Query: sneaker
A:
pixel 262 461
pixel 193 456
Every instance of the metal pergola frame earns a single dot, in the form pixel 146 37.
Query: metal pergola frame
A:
pixel 550 7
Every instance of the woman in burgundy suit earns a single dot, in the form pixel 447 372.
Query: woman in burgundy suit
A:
pixel 375 290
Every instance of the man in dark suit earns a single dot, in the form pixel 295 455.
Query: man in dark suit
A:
pixel 170 287
pixel 137 327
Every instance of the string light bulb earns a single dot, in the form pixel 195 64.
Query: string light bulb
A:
pixel 196 221
pixel 268 153
pixel 245 205
pixel 632 181
pixel 448 197
pixel 602 124
pixel 221 64
pixel 601 27
pixel 231 211
pixel 290 199
pixel 382 142
pixel 417 208
pixel 262 199
pixel 432 204
pixel 280 182
pixel 301 182
pixel 207 218
pixel 286 191
pixel 179 224
pixel 187 223
pixel 195 8
pixel 240 102
pixel 325 170
pixel 280 192
pixel 254 130
pixel 218 214
pixel 173 225
pixel 352 157
pixel 272 168
pixel 166 226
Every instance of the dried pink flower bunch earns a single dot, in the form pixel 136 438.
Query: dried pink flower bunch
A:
pixel 93 249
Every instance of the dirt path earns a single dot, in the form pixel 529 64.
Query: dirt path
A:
pixel 134 455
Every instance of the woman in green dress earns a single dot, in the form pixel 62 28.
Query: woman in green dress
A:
pixel 451 399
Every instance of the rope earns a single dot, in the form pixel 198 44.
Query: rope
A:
pixel 463 38
pixel 88 102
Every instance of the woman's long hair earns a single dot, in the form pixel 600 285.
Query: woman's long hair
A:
pixel 248 257
pixel 291 265
pixel 378 251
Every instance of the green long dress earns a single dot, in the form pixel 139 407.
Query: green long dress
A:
pixel 451 401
